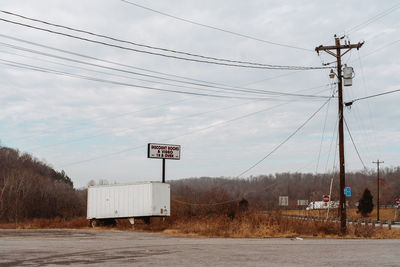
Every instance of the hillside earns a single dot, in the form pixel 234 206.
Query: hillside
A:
pixel 31 189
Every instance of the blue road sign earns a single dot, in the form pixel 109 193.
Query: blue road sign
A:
pixel 347 191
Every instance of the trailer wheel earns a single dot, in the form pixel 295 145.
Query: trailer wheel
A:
pixel 93 223
pixel 147 220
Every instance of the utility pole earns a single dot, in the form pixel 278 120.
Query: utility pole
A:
pixel 377 199
pixel 338 48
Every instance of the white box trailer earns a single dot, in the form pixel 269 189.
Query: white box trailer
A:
pixel 144 200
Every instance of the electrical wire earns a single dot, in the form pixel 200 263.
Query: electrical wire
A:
pixel 334 138
pixel 102 134
pixel 349 103
pixel 284 141
pixel 128 42
pixel 138 79
pixel 206 204
pixel 374 140
pixel 379 49
pixel 157 106
pixel 109 117
pixel 323 135
pixel 239 65
pixel 103 60
pixel 374 18
pixel 354 144
pixel 46 70
pixel 182 135
pixel 222 87
pixel 141 126
pixel 216 28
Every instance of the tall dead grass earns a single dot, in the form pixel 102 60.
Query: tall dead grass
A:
pixel 260 226
pixel 52 223
pixel 245 225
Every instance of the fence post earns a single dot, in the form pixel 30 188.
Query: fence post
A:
pixel 390 225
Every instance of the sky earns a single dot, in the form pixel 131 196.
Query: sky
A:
pixel 89 105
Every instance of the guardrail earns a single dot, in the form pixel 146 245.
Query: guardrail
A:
pixel 365 222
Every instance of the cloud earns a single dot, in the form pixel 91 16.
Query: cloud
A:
pixel 68 120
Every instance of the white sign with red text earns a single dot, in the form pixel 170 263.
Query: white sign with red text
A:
pixel 164 151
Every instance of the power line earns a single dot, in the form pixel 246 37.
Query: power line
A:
pixel 223 87
pixel 354 144
pixel 127 129
pixel 141 126
pixel 371 96
pixel 105 61
pixel 369 113
pixel 104 118
pixel 185 134
pixel 374 18
pixel 128 77
pixel 133 43
pixel 205 204
pixel 322 136
pixel 335 137
pixel 284 141
pixel 216 28
pixel 239 65
pixel 46 70
pixel 207 83
pixel 378 49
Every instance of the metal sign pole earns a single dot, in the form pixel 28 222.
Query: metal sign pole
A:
pixel 163 170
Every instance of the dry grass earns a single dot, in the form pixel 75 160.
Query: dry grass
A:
pixel 54 223
pixel 247 225
pixel 259 226
pixel 157 224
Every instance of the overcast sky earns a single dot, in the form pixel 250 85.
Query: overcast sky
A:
pixel 90 109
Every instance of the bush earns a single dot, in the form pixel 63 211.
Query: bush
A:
pixel 365 204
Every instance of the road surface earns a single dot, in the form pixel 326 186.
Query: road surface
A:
pixel 119 248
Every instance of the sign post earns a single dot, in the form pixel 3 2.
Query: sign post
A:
pixel 163 151
pixel 396 210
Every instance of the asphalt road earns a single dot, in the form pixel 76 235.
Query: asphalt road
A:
pixel 118 248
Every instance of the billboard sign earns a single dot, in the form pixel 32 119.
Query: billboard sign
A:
pixel 163 151
pixel 283 200
pixel 302 202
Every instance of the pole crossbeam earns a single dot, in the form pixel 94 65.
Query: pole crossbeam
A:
pixel 338 48
pixel 334 47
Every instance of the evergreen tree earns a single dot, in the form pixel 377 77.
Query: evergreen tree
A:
pixel 365 204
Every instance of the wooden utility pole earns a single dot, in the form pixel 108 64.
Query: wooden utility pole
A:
pixel 338 48
pixel 377 185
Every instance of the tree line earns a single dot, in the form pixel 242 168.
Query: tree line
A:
pixel 31 189
pixel 263 191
